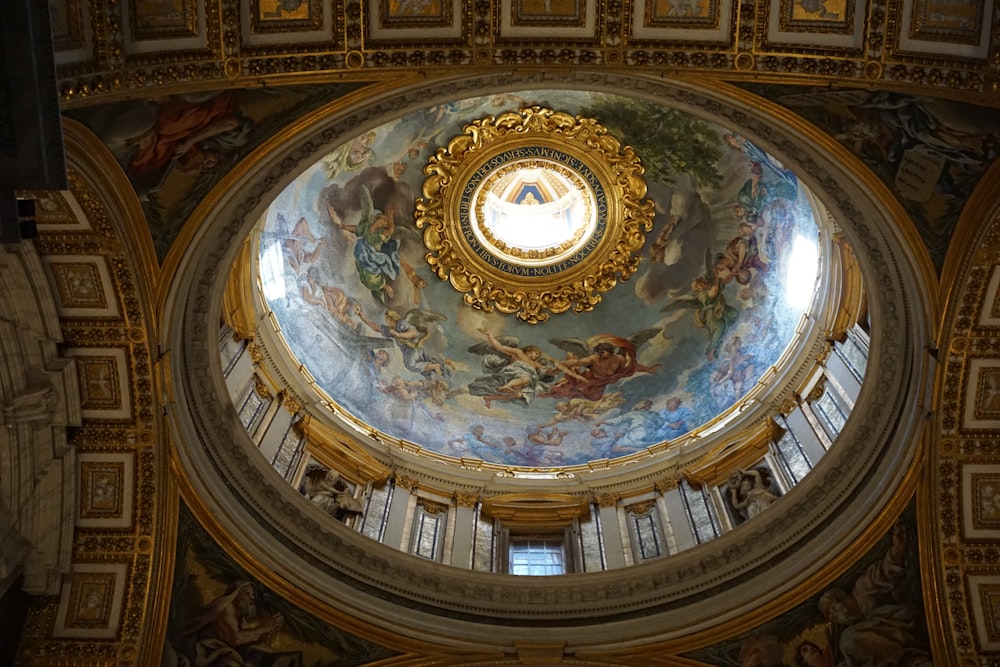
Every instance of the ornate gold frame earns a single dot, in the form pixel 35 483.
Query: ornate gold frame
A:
pixel 533 291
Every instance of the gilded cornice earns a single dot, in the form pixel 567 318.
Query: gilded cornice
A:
pixel 467 500
pixel 342 454
pixel 536 509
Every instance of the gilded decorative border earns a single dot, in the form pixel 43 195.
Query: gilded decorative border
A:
pixel 680 16
pixel 390 16
pixel 107 74
pixel 73 36
pixel 612 171
pixel 409 47
pixel 521 16
pixel 788 23
pixel 676 52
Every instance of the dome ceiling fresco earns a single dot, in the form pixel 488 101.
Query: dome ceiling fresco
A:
pixel 723 281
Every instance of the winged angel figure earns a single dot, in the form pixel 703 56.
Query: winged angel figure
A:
pixel 595 363
pixel 513 373
pixel 409 333
pixel 711 312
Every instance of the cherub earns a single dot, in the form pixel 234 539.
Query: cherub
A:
pixel 584 410
pixel 294 246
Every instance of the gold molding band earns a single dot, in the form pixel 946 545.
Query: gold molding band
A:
pixel 557 281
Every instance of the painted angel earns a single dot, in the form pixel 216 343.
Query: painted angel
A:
pixel 409 332
pixel 513 373
pixel 376 250
pixel 708 300
pixel 594 364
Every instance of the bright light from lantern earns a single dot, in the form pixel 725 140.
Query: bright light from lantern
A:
pixel 800 280
pixel 272 272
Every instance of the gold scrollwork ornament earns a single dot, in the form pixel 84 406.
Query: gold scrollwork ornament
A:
pixel 561 280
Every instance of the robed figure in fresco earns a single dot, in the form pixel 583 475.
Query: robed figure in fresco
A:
pixel 227 631
pixel 598 363
pixel 376 252
pixel 514 373
pixel 869 624
pixel 192 135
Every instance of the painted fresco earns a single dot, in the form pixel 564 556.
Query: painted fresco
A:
pixel 873 614
pixel 817 15
pixel 948 21
pixel 175 149
pixel 163 19
pixel 664 12
pixel 709 310
pixel 823 10
pixel 219 615
pixel 931 153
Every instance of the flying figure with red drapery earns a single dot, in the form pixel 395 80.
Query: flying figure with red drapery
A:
pixel 597 363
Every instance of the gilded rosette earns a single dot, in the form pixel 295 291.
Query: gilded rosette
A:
pixel 534 212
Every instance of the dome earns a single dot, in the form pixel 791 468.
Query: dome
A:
pixel 679 382
pixel 709 263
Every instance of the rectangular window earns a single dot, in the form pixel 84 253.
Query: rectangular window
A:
pixel 230 349
pixel 701 518
pixel 792 455
pixel 831 414
pixel 647 536
pixel 289 453
pixel 376 514
pixel 252 408
pixel 428 535
pixel 537 556
pixel 854 349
